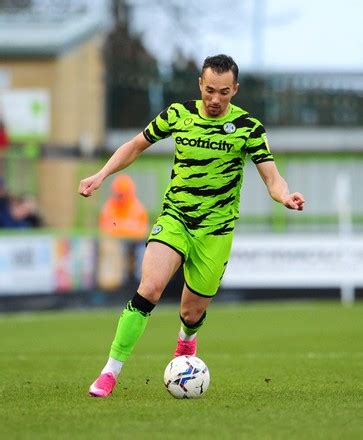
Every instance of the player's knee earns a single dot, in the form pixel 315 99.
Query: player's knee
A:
pixel 151 290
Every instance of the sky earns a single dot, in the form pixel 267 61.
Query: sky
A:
pixel 296 35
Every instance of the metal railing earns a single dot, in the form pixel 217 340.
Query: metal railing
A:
pixel 330 182
pixel 299 99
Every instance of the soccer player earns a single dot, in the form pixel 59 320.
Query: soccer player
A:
pixel 195 228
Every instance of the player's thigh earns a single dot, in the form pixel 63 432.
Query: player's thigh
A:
pixel 193 306
pixel 159 265
pixel 208 258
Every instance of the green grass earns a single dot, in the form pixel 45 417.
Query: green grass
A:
pixel 278 371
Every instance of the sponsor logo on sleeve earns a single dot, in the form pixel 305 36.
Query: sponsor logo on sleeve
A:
pixel 156 229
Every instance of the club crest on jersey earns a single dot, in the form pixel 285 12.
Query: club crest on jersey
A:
pixel 229 127
pixel 156 229
pixel 188 121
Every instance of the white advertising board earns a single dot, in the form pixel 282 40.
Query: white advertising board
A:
pixel 40 264
pixel 295 261
pixel 26 265
pixel 26 112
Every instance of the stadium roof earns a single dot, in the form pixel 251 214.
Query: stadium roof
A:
pixel 45 35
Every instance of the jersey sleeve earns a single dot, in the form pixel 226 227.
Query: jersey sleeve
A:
pixel 257 144
pixel 158 128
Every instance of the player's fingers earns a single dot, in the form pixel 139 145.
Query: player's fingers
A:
pixel 84 193
pixel 300 205
pixel 298 197
pixel 296 204
pixel 298 201
pixel 85 189
pixel 88 191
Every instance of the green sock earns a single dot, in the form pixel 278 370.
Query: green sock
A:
pixel 131 326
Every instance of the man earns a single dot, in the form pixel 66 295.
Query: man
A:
pixel 5 215
pixel 212 138
pixel 123 215
pixel 17 211
pixel 4 139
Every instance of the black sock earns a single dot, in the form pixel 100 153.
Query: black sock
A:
pixel 142 304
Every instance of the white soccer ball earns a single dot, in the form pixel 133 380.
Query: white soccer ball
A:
pixel 186 377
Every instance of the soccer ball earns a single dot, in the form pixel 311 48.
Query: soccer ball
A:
pixel 186 377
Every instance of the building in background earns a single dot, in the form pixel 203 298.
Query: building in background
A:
pixel 52 73
pixel 51 94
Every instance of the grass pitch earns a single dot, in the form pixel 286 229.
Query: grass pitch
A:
pixel 278 371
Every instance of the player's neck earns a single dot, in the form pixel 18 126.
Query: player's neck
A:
pixel 205 114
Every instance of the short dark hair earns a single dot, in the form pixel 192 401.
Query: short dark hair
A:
pixel 221 64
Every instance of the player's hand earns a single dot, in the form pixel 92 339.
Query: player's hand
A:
pixel 90 184
pixel 294 201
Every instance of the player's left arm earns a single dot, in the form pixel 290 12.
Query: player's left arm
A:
pixel 278 188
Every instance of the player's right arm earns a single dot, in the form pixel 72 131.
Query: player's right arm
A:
pixel 121 158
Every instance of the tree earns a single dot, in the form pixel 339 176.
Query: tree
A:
pixel 130 72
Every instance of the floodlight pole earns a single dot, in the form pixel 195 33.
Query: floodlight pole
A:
pixel 258 34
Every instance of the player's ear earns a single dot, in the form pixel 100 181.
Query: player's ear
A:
pixel 200 83
pixel 235 88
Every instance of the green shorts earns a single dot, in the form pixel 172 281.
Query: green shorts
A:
pixel 205 257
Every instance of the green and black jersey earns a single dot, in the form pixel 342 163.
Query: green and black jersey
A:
pixel 206 179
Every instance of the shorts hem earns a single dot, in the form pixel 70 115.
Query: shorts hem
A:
pixel 200 294
pixel 169 245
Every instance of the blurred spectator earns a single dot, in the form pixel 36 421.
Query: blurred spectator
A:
pixel 123 215
pixel 25 212
pixel 4 139
pixel 4 202
pixel 17 212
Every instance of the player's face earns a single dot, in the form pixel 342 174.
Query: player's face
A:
pixel 217 90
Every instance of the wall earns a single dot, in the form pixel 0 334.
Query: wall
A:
pixel 75 82
pixel 57 185
pixel 79 96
